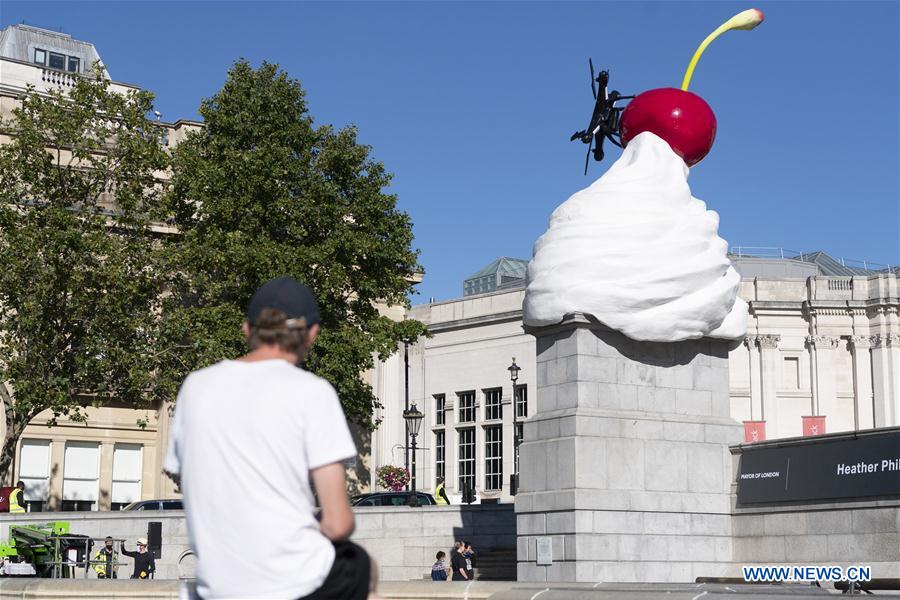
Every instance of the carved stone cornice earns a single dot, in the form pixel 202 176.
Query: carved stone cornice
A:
pixel 859 342
pixel 833 312
pixel 822 342
pixel 886 340
pixel 768 341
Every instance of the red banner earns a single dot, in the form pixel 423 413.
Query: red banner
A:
pixel 754 431
pixel 813 425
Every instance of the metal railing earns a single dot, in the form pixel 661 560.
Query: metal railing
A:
pixel 787 253
pixel 766 252
pixel 867 265
pixel 61 569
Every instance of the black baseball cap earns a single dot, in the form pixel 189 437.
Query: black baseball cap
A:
pixel 287 295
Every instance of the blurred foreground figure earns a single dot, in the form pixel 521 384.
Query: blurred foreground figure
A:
pixel 263 429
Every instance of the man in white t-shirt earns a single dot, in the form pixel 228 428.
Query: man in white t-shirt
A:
pixel 247 437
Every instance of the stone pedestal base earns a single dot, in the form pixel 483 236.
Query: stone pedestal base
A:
pixel 625 465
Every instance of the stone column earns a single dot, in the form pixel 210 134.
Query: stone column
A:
pixel 825 395
pixel 104 493
pixel 451 444
pixel 863 405
pixel 625 466
pixel 509 442
pixel 886 377
pixel 57 469
pixel 769 359
pixel 752 343
pixel 160 486
pixel 388 386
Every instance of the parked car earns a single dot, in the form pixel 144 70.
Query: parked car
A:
pixel 390 499
pixel 155 505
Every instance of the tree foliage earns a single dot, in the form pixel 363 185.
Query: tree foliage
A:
pixel 262 192
pixel 79 292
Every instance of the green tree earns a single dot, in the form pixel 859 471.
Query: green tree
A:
pixel 78 287
pixel 261 192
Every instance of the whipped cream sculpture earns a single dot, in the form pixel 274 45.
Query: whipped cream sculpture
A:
pixel 635 249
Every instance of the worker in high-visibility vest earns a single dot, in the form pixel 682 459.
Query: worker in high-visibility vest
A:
pixel 440 494
pixel 17 498
pixel 106 560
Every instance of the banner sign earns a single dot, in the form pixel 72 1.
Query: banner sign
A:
pixel 826 469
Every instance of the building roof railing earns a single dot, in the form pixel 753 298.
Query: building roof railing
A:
pixel 788 254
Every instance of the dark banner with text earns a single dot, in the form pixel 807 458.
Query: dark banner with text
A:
pixel 826 469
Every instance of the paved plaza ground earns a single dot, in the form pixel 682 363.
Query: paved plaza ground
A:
pixel 39 589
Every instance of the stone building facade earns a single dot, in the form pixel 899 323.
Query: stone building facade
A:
pixel 816 346
pixel 111 460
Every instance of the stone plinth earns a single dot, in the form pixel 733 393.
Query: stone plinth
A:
pixel 625 464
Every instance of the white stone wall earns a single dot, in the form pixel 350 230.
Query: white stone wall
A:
pixel 120 525
pixel 403 541
pixel 847 534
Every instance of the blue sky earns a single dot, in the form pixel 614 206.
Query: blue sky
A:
pixel 471 104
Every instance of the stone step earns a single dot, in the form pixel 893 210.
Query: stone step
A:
pixel 496 565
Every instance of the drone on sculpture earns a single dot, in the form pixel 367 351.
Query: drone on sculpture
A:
pixel 605 119
pixel 681 118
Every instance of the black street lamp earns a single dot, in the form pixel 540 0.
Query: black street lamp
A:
pixel 514 478
pixel 413 418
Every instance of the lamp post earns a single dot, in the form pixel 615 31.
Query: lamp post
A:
pixel 514 478
pixel 413 418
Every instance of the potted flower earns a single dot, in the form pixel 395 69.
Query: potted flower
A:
pixel 392 478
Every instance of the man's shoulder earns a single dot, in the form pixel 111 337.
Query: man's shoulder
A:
pixel 277 370
pixel 297 377
pixel 207 373
pixel 281 379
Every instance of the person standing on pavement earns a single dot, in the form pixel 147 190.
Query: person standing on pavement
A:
pixel 439 568
pixel 144 563
pixel 440 494
pixel 265 428
pixel 17 498
pixel 458 563
pixel 469 554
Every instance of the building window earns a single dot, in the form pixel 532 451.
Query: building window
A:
pixel 493 409
pixel 57 61
pixel 126 480
pixel 440 454
pixel 440 406
pixel 77 505
pixel 790 376
pixel 81 476
pixel 74 65
pixel 34 471
pixel 520 393
pixel 467 458
pixel 466 407
pixel 40 56
pixel 493 458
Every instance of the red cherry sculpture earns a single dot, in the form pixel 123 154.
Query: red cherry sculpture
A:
pixel 681 118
